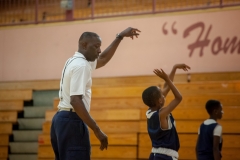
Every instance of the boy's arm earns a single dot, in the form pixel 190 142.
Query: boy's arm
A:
pixel 216 152
pixel 107 54
pixel 185 67
pixel 178 97
pixel 196 148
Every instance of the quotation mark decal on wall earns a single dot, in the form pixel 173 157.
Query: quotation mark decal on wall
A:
pixel 165 31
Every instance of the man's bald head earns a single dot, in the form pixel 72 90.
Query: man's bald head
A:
pixel 87 36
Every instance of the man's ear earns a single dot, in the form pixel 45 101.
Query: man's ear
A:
pixel 83 45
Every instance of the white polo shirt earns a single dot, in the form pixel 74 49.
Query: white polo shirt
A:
pixel 76 80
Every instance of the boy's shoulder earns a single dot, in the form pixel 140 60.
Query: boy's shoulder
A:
pixel 210 121
pixel 150 113
pixel 214 126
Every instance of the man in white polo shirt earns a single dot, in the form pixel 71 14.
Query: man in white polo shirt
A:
pixel 69 132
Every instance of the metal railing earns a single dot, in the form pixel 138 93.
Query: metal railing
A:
pixel 18 12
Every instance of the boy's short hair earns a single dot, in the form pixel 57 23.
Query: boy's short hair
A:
pixel 150 95
pixel 211 105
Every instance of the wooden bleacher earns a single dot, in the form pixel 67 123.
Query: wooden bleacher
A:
pixel 109 7
pixel 8 116
pixel 21 13
pixel 11 102
pixel 12 97
pixel 53 11
pixel 8 95
pixel 119 111
pixel 12 105
pixel 124 94
pixel 5 131
pixel 4 141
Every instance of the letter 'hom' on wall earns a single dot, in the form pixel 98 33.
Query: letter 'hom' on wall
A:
pixel 208 42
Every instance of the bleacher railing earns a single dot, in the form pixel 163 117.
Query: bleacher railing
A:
pixel 19 12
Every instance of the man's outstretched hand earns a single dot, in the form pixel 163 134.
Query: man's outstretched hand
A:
pixel 130 32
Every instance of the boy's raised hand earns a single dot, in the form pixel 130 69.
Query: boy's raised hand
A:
pixel 160 73
pixel 182 66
